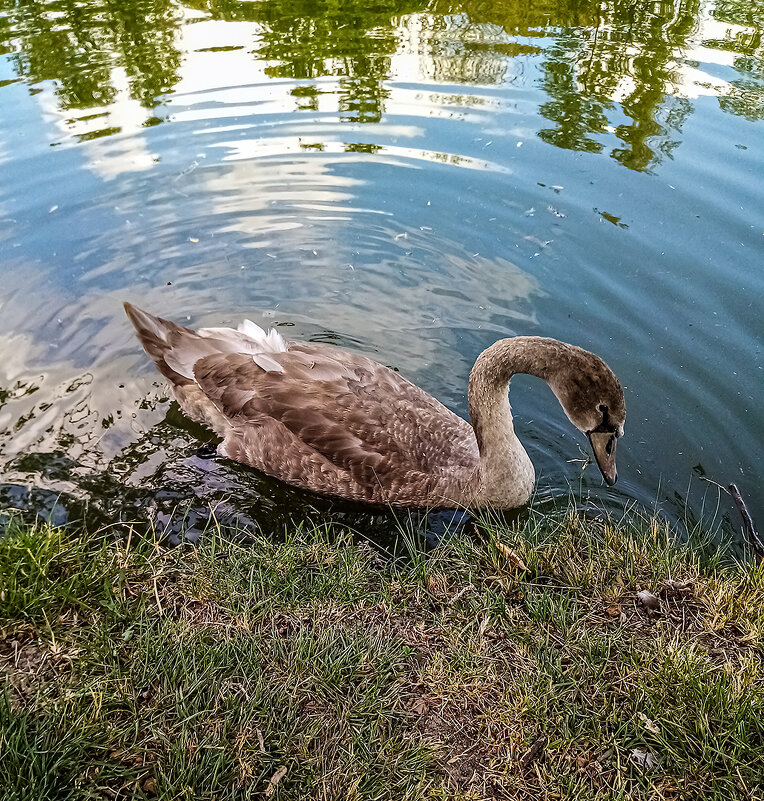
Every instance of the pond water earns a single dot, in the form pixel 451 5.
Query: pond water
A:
pixel 411 180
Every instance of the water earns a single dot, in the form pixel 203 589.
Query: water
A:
pixel 409 180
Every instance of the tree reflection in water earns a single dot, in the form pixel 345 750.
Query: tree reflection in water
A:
pixel 598 61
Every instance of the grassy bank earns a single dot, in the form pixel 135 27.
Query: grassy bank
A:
pixel 509 664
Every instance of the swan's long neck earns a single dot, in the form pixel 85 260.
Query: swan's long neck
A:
pixel 507 474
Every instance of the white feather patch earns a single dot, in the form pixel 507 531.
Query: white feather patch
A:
pixel 217 333
pixel 271 342
pixel 252 330
pixel 250 339
pixel 266 363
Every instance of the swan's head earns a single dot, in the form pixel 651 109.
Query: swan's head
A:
pixel 593 400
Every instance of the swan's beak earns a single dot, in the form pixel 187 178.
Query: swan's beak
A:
pixel 603 445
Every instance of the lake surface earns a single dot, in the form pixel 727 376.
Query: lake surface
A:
pixel 410 180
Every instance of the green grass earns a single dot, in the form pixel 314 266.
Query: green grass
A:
pixel 516 662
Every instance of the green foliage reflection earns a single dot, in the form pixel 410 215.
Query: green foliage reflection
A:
pixel 608 68
pixel 351 40
pixel 78 45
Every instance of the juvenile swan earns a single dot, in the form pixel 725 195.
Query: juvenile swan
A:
pixel 338 423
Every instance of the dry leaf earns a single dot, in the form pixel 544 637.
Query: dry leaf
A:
pixel 648 600
pixel 275 779
pixel 679 586
pixel 645 759
pixel 466 588
pixel 650 725
pixel 614 610
pixel 534 752
pixel 419 706
pixel 437 583
pixel 512 557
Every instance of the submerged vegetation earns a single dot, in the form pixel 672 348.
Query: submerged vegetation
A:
pixel 560 658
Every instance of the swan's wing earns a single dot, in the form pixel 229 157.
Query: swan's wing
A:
pixel 357 414
pixel 310 413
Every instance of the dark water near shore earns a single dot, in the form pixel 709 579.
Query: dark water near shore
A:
pixel 412 180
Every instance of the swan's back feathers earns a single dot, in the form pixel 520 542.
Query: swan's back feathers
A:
pixel 344 415
pixel 313 415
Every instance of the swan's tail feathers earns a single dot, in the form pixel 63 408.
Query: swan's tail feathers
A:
pixel 158 338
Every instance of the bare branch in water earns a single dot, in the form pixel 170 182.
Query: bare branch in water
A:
pixel 748 526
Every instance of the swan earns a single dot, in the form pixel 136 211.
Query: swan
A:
pixel 339 423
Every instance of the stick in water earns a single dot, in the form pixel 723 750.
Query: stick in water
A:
pixel 750 529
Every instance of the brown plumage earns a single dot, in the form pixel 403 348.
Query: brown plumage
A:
pixel 336 422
